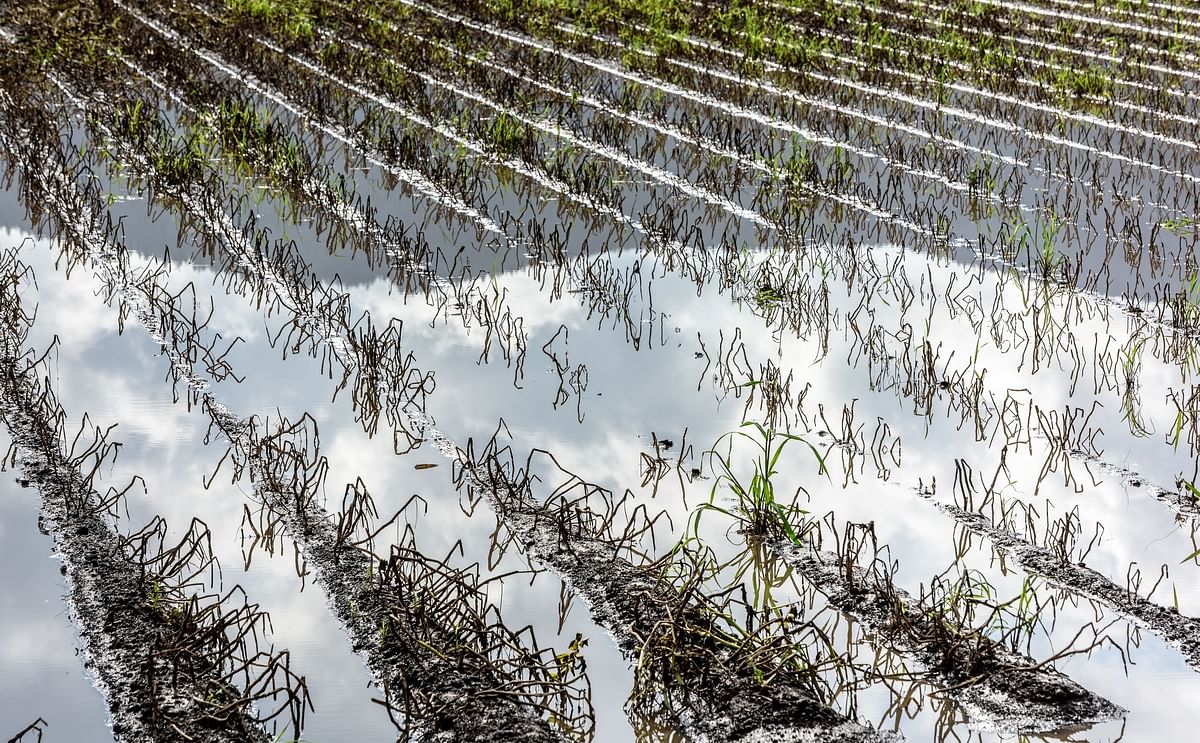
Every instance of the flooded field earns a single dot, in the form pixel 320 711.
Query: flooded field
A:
pixel 523 370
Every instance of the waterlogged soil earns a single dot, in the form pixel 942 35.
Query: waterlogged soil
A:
pixel 995 685
pixel 519 314
pixel 44 678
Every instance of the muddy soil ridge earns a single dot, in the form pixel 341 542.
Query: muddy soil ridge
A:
pixel 164 659
pixel 1000 689
pixel 435 657
pixel 1178 630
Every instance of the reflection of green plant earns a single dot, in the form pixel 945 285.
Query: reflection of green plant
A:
pixel 760 510
pixel 707 633
pixel 1131 361
pixel 1130 405
pixel 1182 226
pixel 765 571
pixel 1016 619
pixel 1187 303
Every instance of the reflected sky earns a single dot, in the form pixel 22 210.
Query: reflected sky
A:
pixel 123 379
pixel 582 391
pixel 110 378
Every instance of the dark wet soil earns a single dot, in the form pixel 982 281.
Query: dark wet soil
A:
pixel 1180 631
pixel 999 689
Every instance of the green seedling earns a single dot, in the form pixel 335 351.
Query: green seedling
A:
pixel 156 596
pixel 1049 258
pixel 1074 83
pixel 291 20
pixel 760 509
pixel 507 135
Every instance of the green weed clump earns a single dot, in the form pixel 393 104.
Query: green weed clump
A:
pixel 1088 82
pixel 289 20
pixel 64 34
pixel 508 136
pixel 259 143
pixel 762 511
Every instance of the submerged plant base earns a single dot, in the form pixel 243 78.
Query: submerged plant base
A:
pixel 682 669
pixel 999 689
pixel 1180 631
